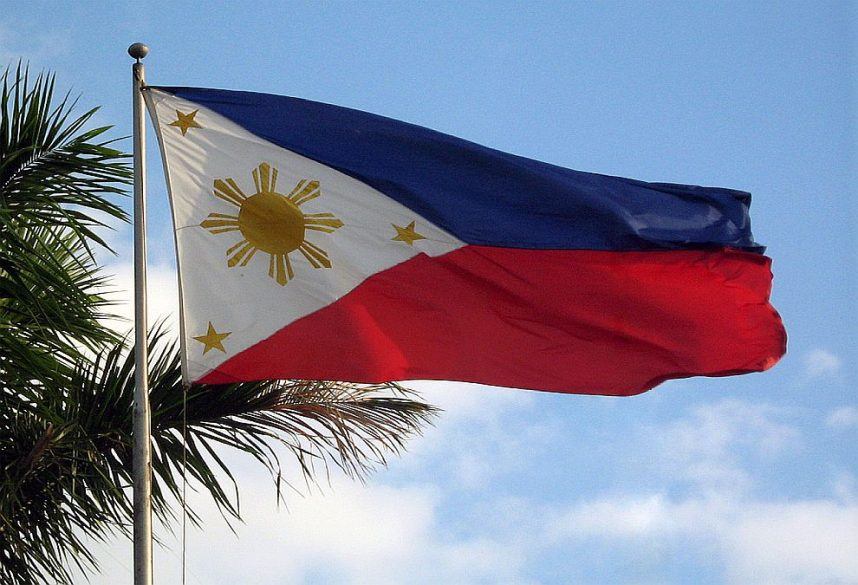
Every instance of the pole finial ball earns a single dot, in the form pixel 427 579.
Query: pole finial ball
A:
pixel 138 50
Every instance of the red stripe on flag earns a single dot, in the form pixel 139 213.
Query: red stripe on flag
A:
pixel 579 321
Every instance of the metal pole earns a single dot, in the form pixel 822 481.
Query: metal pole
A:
pixel 142 447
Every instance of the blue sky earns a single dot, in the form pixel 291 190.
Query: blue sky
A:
pixel 738 480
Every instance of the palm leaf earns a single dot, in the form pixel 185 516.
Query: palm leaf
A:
pixel 67 455
pixel 56 181
pixel 50 167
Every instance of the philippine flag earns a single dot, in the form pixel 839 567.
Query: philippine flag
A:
pixel 321 242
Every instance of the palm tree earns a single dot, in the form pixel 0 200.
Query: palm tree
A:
pixel 66 378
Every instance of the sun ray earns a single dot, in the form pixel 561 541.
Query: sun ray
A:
pixel 228 191
pixel 289 265
pixel 317 257
pixel 273 180
pixel 224 230
pixel 281 276
pixel 236 257
pixel 304 191
pixel 218 223
pixel 322 222
pixel 235 247
pixel 256 179
pixel 284 269
pixel 249 256
pixel 265 178
pixel 231 182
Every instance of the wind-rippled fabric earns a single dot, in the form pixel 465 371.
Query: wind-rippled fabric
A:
pixel 455 261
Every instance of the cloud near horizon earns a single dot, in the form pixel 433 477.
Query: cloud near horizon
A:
pixel 705 506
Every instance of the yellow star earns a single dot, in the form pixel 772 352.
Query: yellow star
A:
pixel 212 339
pixel 185 121
pixel 407 234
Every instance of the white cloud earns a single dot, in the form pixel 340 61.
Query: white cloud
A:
pixel 796 542
pixel 843 487
pixel 472 402
pixel 821 363
pixel 807 542
pixel 844 417
pixel 403 534
pixel 352 534
pixel 618 517
pixel 713 431
pixel 704 448
pixel 756 540
pixel 483 434
pixel 162 295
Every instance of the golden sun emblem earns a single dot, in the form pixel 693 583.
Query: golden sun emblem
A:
pixel 271 222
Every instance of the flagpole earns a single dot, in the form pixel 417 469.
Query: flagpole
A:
pixel 142 452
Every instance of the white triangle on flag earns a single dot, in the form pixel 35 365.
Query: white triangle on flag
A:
pixel 242 301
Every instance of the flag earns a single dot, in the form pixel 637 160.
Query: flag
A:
pixel 321 242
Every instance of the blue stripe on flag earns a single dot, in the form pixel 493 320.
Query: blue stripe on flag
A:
pixel 484 196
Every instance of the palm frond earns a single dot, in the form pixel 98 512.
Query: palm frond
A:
pixel 56 185
pixel 67 456
pixel 53 172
